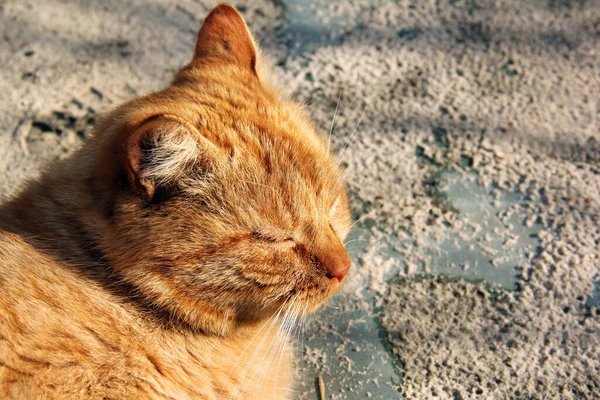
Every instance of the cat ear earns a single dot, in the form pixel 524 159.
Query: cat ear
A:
pixel 225 36
pixel 160 151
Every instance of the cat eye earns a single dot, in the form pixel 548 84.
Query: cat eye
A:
pixel 332 228
pixel 268 238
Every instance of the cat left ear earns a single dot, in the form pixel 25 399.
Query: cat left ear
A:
pixel 160 151
pixel 225 36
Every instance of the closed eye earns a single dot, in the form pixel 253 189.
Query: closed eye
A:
pixel 332 228
pixel 288 241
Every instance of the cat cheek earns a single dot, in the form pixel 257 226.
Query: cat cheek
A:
pixel 262 277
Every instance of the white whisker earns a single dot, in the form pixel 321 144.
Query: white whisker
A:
pixel 275 344
pixel 282 352
pixel 275 314
pixel 293 332
pixel 286 318
pixel 362 218
pixel 298 330
pixel 279 350
pixel 344 113
pixel 352 135
pixel 333 121
pixel 237 386
pixel 360 240
pixel 281 339
pixel 304 315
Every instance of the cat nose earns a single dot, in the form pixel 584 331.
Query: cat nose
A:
pixel 336 263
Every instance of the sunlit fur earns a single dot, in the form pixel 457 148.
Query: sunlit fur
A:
pixel 161 259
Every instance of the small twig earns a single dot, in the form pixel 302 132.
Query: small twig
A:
pixel 321 387
pixel 481 137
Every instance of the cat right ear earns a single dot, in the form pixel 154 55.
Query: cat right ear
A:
pixel 225 36
pixel 160 152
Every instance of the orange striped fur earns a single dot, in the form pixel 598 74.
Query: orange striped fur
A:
pixel 158 260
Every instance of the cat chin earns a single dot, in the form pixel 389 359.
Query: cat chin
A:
pixel 309 301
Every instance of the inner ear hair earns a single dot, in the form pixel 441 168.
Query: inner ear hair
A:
pixel 159 153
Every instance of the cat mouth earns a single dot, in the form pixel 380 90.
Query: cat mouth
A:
pixel 312 298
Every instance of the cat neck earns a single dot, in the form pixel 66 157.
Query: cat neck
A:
pixel 57 218
pixel 62 216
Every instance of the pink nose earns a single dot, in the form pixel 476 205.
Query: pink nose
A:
pixel 340 271
pixel 336 263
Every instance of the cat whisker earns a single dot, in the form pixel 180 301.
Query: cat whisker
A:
pixel 286 319
pixel 280 339
pixel 243 375
pixel 361 218
pixel 274 316
pixel 299 330
pixel 352 135
pixel 296 333
pixel 333 120
pixel 282 352
pixel 296 327
pixel 275 344
pixel 279 365
pixel 303 333
pixel 344 113
pixel 359 240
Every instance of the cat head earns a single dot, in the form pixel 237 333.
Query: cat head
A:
pixel 226 204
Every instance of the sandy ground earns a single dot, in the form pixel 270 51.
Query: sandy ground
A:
pixel 505 88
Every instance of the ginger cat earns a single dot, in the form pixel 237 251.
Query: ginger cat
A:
pixel 157 261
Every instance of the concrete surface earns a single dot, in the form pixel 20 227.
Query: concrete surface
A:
pixel 476 157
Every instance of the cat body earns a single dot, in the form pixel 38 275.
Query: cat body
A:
pixel 64 337
pixel 173 255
